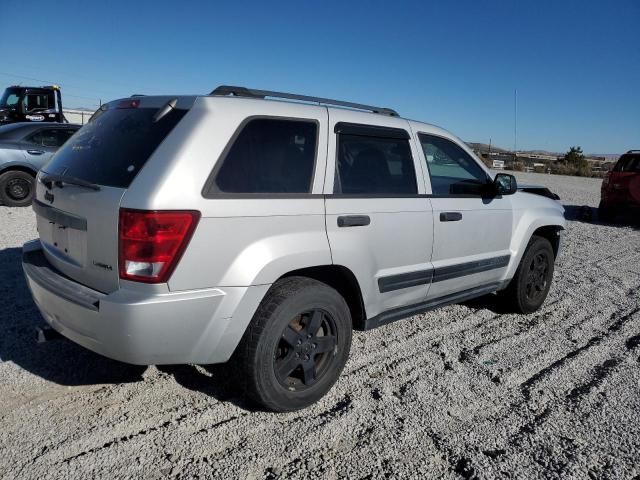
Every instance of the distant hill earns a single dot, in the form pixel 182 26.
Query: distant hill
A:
pixel 483 147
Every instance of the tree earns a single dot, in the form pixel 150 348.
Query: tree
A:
pixel 576 163
pixel 574 157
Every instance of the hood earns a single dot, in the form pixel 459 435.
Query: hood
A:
pixel 538 190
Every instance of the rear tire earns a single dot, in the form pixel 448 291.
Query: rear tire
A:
pixel 16 188
pixel 295 346
pixel 530 285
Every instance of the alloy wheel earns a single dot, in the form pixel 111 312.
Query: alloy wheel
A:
pixel 306 350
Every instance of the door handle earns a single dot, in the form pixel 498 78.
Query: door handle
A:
pixel 35 152
pixel 450 216
pixel 354 220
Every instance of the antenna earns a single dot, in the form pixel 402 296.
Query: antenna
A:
pixel 515 120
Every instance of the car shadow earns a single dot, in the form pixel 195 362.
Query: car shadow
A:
pixel 60 361
pixel 63 362
pixel 587 214
pixel 217 381
pixel 491 302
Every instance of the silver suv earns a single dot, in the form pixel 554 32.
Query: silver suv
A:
pixel 202 229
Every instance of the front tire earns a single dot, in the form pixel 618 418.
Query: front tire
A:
pixel 530 285
pixel 16 188
pixel 295 346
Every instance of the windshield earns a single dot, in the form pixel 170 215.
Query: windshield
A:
pixel 10 97
pixel 112 148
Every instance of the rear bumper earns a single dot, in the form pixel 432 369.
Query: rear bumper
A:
pixel 141 325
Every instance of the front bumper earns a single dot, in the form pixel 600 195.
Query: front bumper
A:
pixel 139 325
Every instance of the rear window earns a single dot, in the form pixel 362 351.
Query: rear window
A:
pixel 112 148
pixel 628 163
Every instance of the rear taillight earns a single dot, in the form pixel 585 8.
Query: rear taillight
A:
pixel 128 104
pixel 152 242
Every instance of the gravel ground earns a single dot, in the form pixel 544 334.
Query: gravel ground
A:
pixel 465 391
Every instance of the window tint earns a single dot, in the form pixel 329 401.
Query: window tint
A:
pixel 111 149
pixel 10 100
pixel 269 156
pixel 53 137
pixel 374 165
pixel 628 163
pixel 452 170
pixel 37 101
pixel 35 137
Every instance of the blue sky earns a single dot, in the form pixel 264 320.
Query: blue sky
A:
pixel 576 65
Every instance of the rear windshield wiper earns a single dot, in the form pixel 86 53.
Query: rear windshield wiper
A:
pixel 60 180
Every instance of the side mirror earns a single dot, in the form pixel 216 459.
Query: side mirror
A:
pixel 21 107
pixel 505 184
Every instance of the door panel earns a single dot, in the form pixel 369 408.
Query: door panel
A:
pixel 472 229
pixel 474 250
pixel 384 238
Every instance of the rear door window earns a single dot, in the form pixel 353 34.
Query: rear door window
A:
pixel 375 165
pixel 111 149
pixel 268 156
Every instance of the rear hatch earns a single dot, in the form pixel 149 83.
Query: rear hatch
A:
pixel 78 192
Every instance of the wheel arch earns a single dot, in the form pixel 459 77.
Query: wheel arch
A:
pixel 18 167
pixel 546 224
pixel 552 234
pixel 343 280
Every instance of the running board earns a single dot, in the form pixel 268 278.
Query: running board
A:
pixel 422 307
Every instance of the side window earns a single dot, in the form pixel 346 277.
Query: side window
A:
pixel 628 163
pixel 452 170
pixel 50 138
pixel 62 135
pixel 374 165
pixel 36 101
pixel 269 156
pixel 35 137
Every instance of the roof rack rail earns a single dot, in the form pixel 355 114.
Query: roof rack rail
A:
pixel 252 93
pixel 633 151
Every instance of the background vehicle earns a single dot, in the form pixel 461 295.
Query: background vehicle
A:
pixel 268 242
pixel 620 191
pixel 31 104
pixel 24 149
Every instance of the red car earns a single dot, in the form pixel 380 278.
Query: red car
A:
pixel 620 192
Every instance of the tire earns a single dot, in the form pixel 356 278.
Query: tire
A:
pixel 605 213
pixel 276 361
pixel 530 285
pixel 16 188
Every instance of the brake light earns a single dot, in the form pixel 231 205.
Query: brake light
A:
pixel 128 104
pixel 151 243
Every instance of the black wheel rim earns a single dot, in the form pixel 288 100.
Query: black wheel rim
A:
pixel 306 350
pixel 18 189
pixel 537 277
